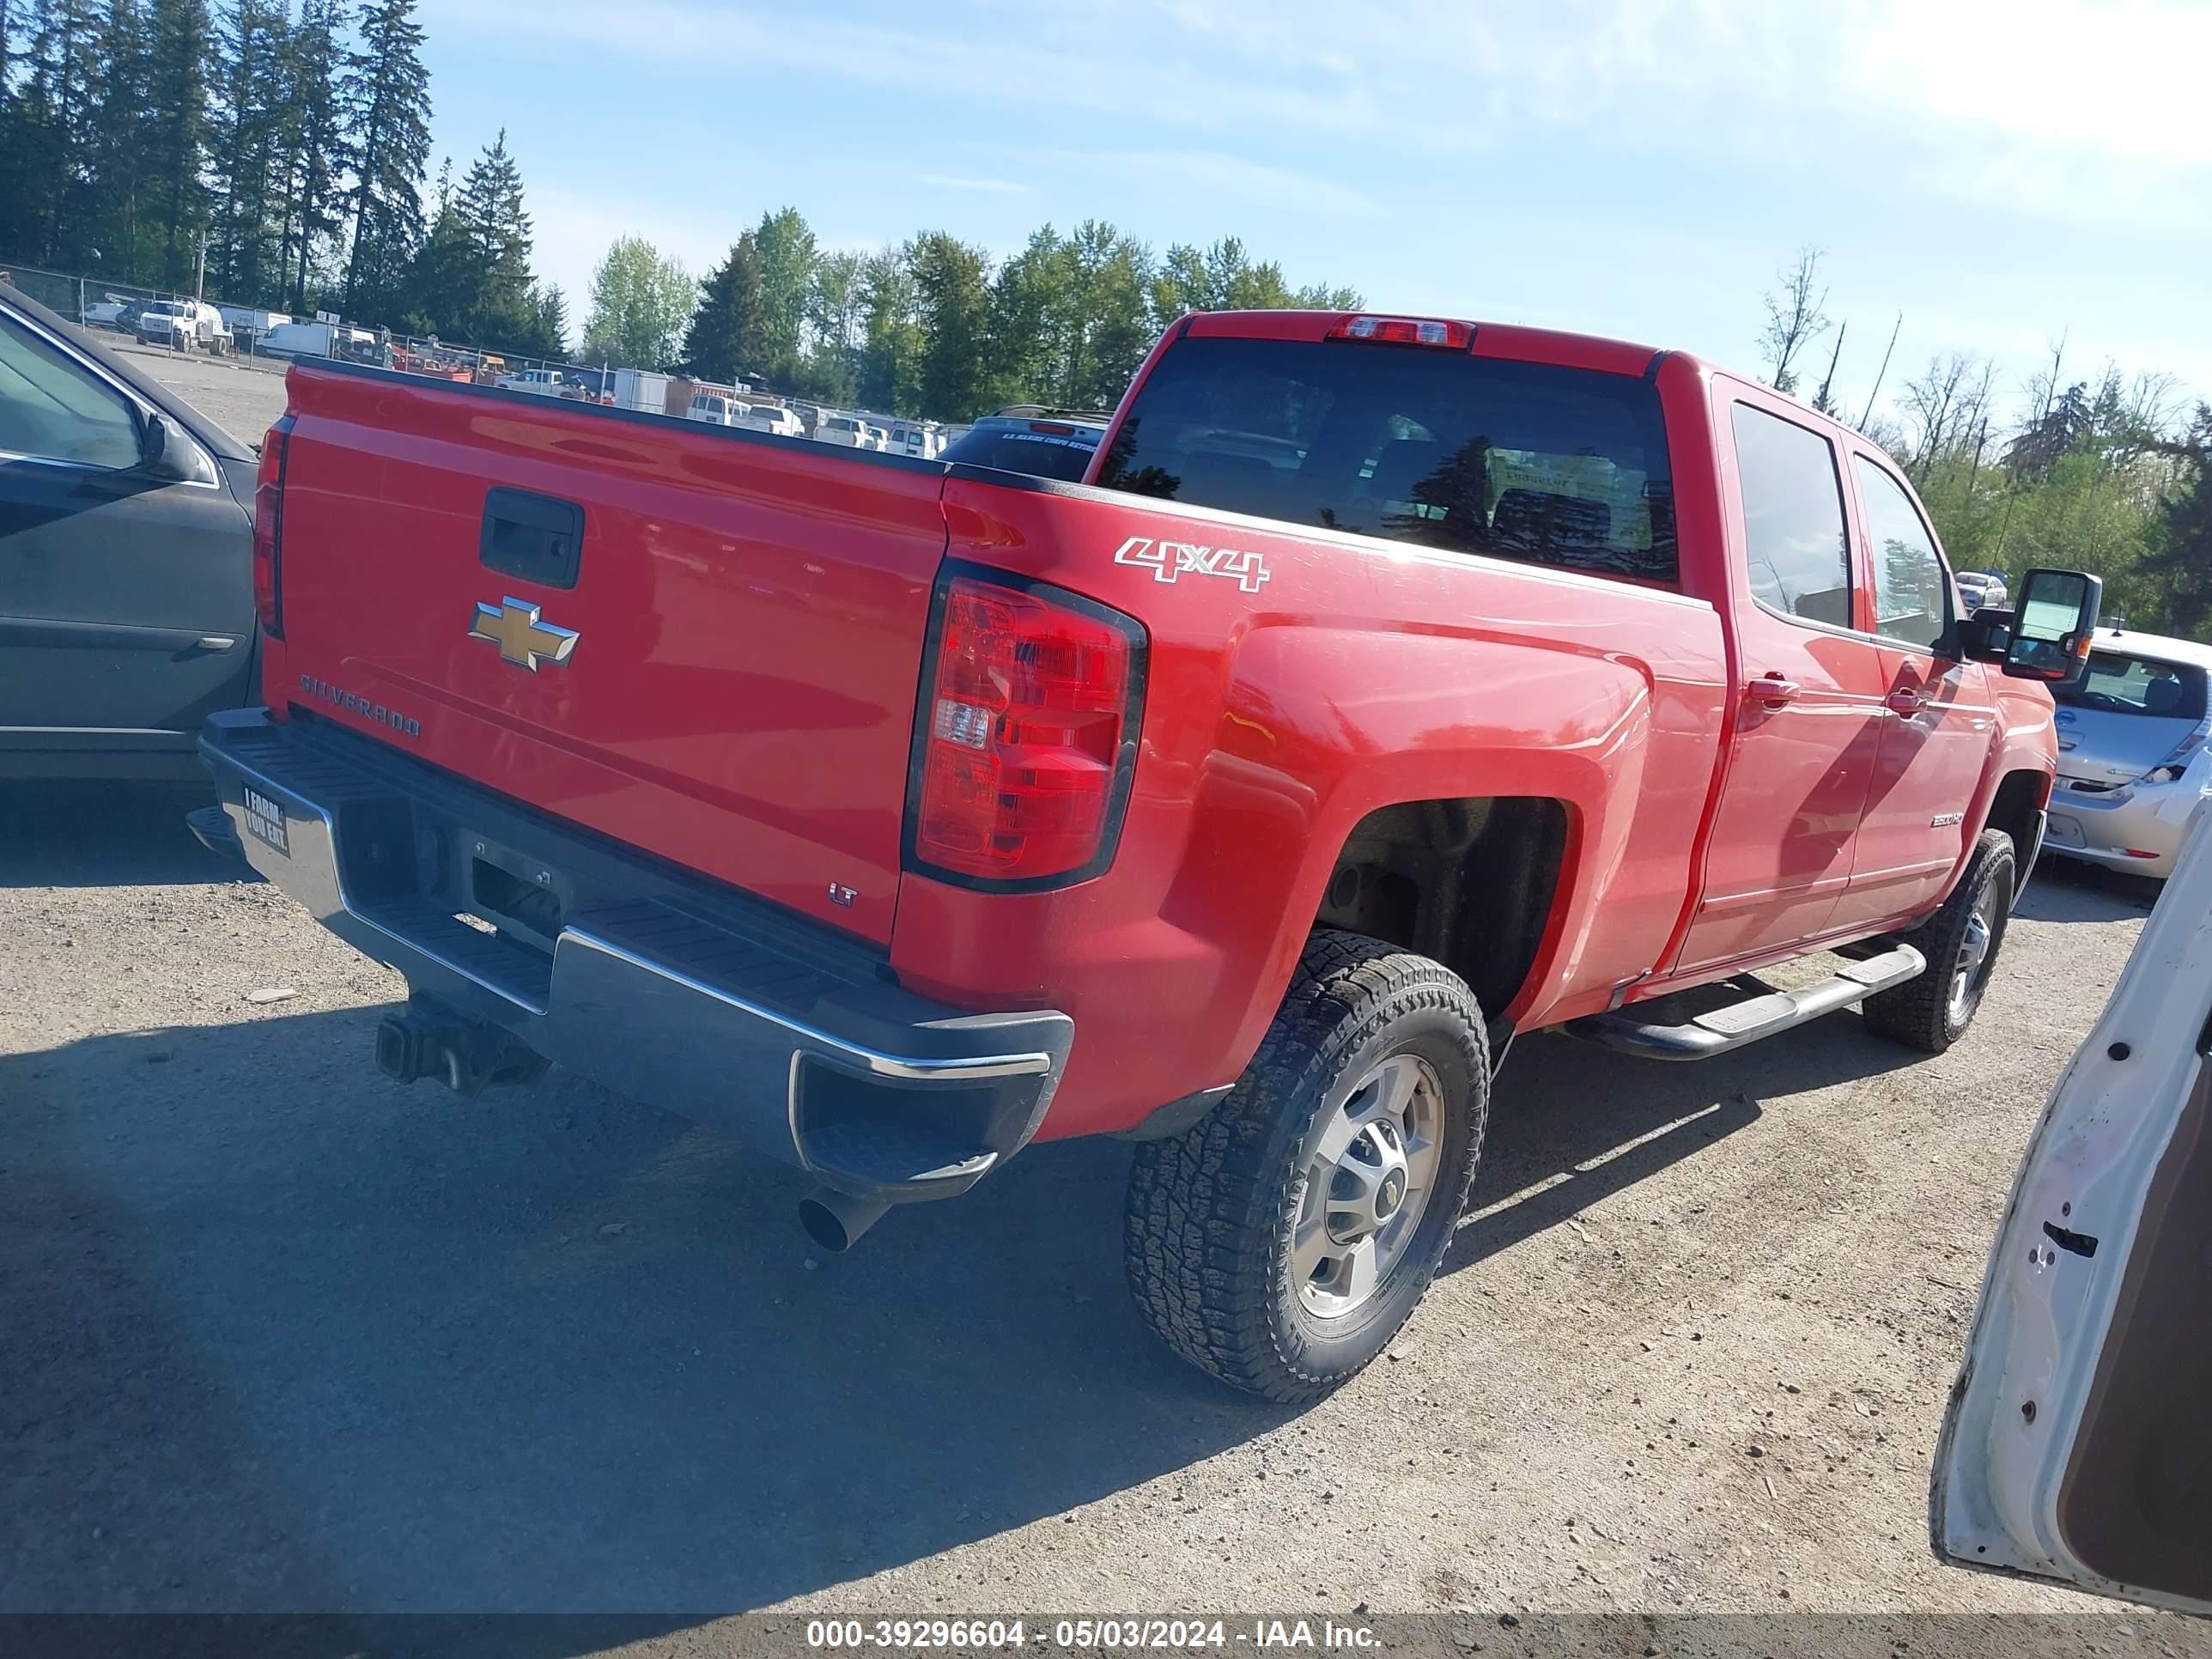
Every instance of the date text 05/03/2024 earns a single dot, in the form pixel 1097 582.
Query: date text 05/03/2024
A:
pixel 1086 1634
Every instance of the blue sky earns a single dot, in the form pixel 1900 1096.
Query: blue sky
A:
pixel 1999 172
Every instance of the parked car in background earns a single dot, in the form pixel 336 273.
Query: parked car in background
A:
pixel 110 312
pixel 1050 443
pixel 770 417
pixel 184 326
pixel 712 407
pixel 544 382
pixel 126 560
pixel 2132 757
pixel 1977 588
pixel 2076 1448
pixel 849 431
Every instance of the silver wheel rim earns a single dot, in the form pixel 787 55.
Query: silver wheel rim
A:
pixel 1970 969
pixel 1367 1186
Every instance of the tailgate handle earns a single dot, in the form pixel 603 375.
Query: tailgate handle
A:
pixel 537 538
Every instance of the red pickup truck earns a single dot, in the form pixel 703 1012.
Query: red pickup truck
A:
pixel 1392 686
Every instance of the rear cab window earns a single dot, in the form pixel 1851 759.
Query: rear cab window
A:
pixel 1528 461
pixel 1911 599
pixel 1046 448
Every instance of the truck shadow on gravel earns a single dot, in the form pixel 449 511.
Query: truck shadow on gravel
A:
pixel 105 834
pixel 2068 889
pixel 282 1335
pixel 1571 1124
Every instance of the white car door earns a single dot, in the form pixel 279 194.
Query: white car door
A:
pixel 2077 1447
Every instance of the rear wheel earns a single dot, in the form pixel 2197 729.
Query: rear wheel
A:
pixel 1961 942
pixel 1282 1242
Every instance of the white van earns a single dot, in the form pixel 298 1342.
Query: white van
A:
pixel 712 407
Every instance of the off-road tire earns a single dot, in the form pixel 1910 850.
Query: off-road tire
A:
pixel 1919 1014
pixel 1208 1228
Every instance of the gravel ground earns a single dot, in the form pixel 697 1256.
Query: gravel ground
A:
pixel 282 1335
pixel 243 394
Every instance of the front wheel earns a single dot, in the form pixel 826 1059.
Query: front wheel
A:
pixel 1961 942
pixel 1281 1244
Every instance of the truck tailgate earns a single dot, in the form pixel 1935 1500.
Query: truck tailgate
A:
pixel 749 616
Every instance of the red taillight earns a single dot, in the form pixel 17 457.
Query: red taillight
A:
pixel 1029 727
pixel 269 531
pixel 1405 330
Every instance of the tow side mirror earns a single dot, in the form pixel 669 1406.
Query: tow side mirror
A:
pixel 2046 634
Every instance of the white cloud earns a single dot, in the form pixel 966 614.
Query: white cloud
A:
pixel 1976 96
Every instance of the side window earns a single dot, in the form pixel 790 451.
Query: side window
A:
pixel 1909 599
pixel 54 407
pixel 1793 515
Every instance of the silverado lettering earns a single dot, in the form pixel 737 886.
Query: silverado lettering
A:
pixel 374 713
pixel 887 829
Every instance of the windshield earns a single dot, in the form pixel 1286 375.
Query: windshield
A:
pixel 1047 450
pixel 2118 683
pixel 1562 466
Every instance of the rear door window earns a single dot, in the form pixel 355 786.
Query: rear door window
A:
pixel 1793 517
pixel 1910 594
pixel 1530 461
pixel 2120 683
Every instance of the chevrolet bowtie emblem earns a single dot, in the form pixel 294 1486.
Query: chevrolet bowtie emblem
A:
pixel 522 640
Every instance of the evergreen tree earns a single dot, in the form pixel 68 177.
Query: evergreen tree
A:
pixel 786 250
pixel 1106 323
pixel 383 95
pixel 1025 298
pixel 315 149
pixel 33 145
pixel 252 96
pixel 891 353
pixel 2182 566
pixel 499 304
pixel 551 306
pixel 438 296
pixel 729 337
pixel 833 316
pixel 45 184
pixel 123 156
pixel 953 309
pixel 177 136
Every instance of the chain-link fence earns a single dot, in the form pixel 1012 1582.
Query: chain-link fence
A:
pixel 216 326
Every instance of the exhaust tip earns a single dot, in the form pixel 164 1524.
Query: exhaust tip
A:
pixel 835 1220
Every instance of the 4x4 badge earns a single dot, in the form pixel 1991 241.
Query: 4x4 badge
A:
pixel 513 626
pixel 1169 560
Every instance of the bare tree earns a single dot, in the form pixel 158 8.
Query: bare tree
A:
pixel 1946 406
pixel 1821 400
pixel 1795 316
pixel 1874 391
